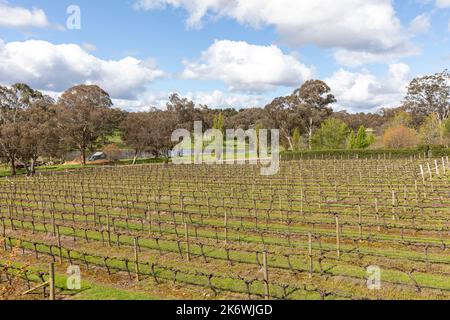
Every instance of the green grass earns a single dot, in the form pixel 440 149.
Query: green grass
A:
pixel 89 290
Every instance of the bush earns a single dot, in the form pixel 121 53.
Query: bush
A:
pixel 400 137
pixel 366 154
pixel 112 151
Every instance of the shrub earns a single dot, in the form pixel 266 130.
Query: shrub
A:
pixel 112 151
pixel 400 137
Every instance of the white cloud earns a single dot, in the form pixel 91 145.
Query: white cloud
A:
pixel 246 67
pixel 361 91
pixel 89 47
pixel 47 66
pixel 443 3
pixel 17 17
pixel 350 58
pixel 357 26
pixel 420 24
pixel 219 99
pixel 213 99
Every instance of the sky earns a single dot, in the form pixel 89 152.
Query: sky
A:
pixel 225 53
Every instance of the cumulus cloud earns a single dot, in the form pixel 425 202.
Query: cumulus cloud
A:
pixel 52 67
pixel 219 99
pixel 362 91
pixel 356 26
pixel 213 99
pixel 18 17
pixel 246 67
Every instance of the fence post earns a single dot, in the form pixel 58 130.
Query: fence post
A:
pixel 188 248
pixel 338 238
pixel 266 276
pixel 108 226
pixel 51 280
pixel 58 235
pixel 4 234
pixel 310 255
pixel 136 258
pixel 226 227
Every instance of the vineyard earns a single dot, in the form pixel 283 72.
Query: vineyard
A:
pixel 224 231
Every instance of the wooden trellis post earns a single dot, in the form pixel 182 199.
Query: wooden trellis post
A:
pixel 188 247
pixel 310 253
pixel 226 226
pixel 338 238
pixel 266 276
pixel 136 258
pixel 51 280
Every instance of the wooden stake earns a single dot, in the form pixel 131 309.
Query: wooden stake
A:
pixel 51 280
pixel 136 258
pixel 226 227
pixel 338 238
pixel 422 173
pixel 310 255
pixel 188 247
pixel 59 245
pixel 266 276
pixel 108 227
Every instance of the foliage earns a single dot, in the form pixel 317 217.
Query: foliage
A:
pixel 429 94
pixel 296 140
pixel 218 122
pixel 112 151
pixel 401 118
pixel 306 108
pixel 362 141
pixel 431 130
pixel 367 153
pixel 84 117
pixel 351 142
pixel 400 137
pixel 27 126
pixel 332 135
pixel 149 131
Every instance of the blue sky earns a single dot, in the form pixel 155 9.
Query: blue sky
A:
pixel 226 53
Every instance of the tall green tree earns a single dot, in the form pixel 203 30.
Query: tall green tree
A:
pixel 306 108
pixel 332 135
pixel 362 141
pixel 351 143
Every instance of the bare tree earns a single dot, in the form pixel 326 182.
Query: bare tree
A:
pixel 150 131
pixel 84 117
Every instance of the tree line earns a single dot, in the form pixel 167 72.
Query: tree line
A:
pixel 35 126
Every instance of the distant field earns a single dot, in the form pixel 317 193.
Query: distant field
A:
pixel 203 232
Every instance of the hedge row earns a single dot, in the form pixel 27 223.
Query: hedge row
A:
pixel 421 152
